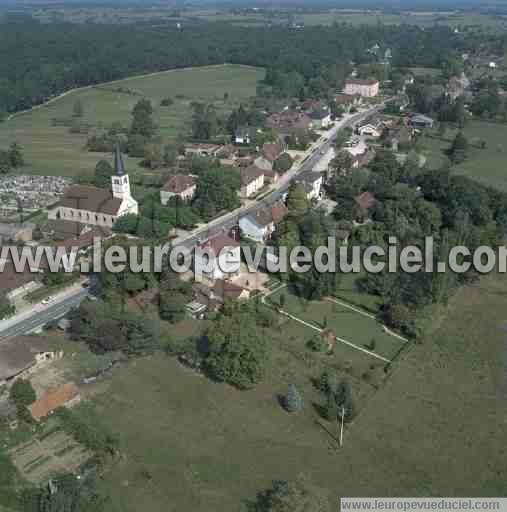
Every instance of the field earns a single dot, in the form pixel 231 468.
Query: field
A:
pixel 52 150
pixel 344 322
pixel 485 165
pixel 436 427
pixel 47 454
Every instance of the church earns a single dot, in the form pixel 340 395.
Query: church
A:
pixel 98 206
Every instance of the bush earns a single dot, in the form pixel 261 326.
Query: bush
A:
pixel 22 393
pixel 318 344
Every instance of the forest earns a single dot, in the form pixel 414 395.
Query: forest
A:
pixel 56 57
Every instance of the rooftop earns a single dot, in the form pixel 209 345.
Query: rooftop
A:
pixel 18 353
pixel 93 199
pixel 53 400
pixel 178 183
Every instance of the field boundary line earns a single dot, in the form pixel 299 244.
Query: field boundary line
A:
pixel 319 330
pixel 368 315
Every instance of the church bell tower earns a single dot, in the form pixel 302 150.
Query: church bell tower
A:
pixel 120 179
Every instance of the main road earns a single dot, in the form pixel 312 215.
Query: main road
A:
pixel 31 320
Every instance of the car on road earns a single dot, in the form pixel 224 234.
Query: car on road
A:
pixel 47 300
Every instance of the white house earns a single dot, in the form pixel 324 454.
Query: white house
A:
pixel 179 185
pixel 321 119
pixel 252 180
pixel 242 135
pixel 98 206
pixel 219 257
pixel 312 183
pixel 368 88
pixel 260 225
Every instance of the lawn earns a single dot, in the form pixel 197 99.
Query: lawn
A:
pixel 344 322
pixel 437 426
pixel 485 165
pixel 52 150
pixel 192 444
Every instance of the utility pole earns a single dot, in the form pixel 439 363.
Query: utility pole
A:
pixel 341 428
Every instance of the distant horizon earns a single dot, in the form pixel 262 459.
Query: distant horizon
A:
pixel 416 5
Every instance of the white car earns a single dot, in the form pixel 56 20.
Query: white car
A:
pixel 47 300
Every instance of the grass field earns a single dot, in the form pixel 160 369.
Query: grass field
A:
pixel 437 426
pixel 52 150
pixel 485 165
pixel 344 322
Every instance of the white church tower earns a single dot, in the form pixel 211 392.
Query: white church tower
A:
pixel 121 185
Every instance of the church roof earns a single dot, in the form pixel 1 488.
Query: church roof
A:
pixel 119 167
pixel 92 199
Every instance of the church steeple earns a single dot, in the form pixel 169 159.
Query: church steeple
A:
pixel 119 168
pixel 120 179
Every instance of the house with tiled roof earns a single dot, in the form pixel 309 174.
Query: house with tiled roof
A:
pixel 270 152
pixel 22 355
pixel 252 180
pixel 67 396
pixel 218 257
pixel 261 224
pixel 179 185
pixel 96 206
pixel 367 88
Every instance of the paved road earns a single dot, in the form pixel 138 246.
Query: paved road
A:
pixel 40 315
pixel 231 219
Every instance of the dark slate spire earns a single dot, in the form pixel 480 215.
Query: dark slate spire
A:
pixel 119 168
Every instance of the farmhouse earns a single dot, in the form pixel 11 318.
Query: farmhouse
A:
pixel 181 186
pixel 368 88
pixel 252 180
pixel 260 225
pixel 67 395
pixel 96 206
pixel 22 355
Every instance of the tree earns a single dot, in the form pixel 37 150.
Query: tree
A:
pixel 238 351
pixel 344 400
pixel 293 399
pixel 15 155
pixel 283 163
pixel 152 155
pixel 6 308
pixel 22 393
pixel 342 162
pixel 78 108
pixel 142 120
pixel 102 174
pixel 295 496
pixel 297 203
pixel 172 305
pixel 458 151
pixel 167 102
